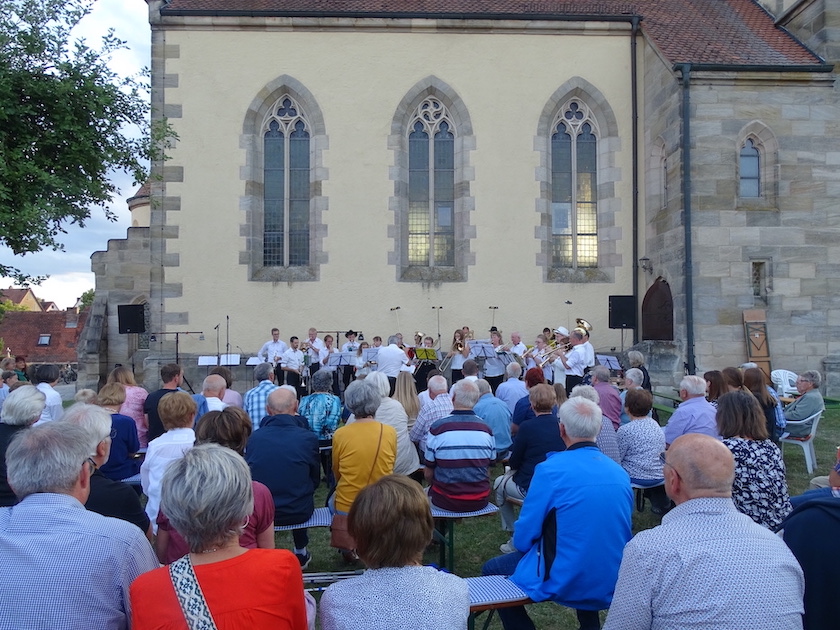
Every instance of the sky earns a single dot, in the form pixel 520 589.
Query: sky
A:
pixel 69 271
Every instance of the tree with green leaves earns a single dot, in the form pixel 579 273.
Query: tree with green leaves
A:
pixel 87 298
pixel 67 120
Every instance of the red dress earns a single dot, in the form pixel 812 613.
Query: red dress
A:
pixel 260 590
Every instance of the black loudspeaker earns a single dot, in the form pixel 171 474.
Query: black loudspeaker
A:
pixel 131 318
pixel 622 311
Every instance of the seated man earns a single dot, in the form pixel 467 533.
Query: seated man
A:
pixel 497 416
pixel 512 390
pixel 608 394
pixel 440 406
pixel 256 398
pixel 809 403
pixel 573 525
pixel 707 566
pixel 695 414
pixel 459 451
pixel 283 455
pixel 210 398
pixel 63 566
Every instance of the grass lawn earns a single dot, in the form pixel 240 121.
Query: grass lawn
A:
pixel 478 539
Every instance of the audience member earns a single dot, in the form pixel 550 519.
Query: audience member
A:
pixel 391 413
pixel 535 441
pixel 760 487
pixel 231 428
pixel 49 538
pixel 256 398
pixel 806 406
pixel 21 410
pixel 608 394
pixel 210 398
pixel 392 524
pixel 820 487
pixel 108 497
pixel 440 406
pixel 512 390
pixel 496 414
pixel 695 414
pixel 707 566
pixel 135 400
pixel 522 411
pixel 640 443
pixel 637 362
pixel 733 379
pixel 46 376
pixel 573 525
pixel 715 386
pixel 239 587
pixel 176 411
pixel 632 380
pixel 322 409
pixel 606 440
pixel 171 375
pixel 21 369
pixel 121 463
pixel 231 396
pixel 756 383
pixel 86 396
pixel 283 455
pixel 405 393
pixel 459 451
pixel 812 532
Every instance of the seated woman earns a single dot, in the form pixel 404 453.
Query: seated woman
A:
pixel 715 386
pixel 363 452
pixel 322 409
pixel 230 427
pixel 21 410
pixel 756 382
pixel 760 488
pixel 121 463
pixel 253 588
pixel 392 524
pixel 640 443
pixel 135 397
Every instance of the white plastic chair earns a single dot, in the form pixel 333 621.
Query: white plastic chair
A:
pixel 785 382
pixel 807 443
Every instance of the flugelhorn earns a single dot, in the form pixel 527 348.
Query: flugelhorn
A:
pixel 583 325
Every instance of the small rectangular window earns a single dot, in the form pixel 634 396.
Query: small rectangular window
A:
pixel 760 279
pixel 44 340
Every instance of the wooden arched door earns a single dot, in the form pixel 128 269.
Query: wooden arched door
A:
pixel 658 312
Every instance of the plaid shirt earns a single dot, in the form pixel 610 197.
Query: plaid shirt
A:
pixel 66 567
pixel 255 401
pixel 438 408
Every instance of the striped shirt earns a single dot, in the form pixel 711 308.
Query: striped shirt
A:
pixel 460 449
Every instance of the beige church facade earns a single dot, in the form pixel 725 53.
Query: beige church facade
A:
pixel 407 166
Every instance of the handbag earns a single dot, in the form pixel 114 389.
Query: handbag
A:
pixel 340 537
pixel 190 597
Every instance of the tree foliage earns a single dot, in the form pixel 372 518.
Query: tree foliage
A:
pixel 66 121
pixel 87 298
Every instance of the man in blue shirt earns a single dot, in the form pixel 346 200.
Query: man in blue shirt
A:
pixel 573 525
pixel 497 416
pixel 695 414
pixel 63 566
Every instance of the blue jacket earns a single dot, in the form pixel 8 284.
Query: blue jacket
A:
pixel 283 455
pixel 573 527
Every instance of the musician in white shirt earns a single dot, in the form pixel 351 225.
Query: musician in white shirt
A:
pixel 292 364
pixel 313 349
pixel 516 345
pixel 271 352
pixel 350 346
pixel 324 360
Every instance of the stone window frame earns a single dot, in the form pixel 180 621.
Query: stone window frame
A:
pixel 658 174
pixel 465 232
pixel 251 173
pixel 765 141
pixel 609 145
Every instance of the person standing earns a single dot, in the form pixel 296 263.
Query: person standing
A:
pixel 271 352
pixel 46 376
pixel 172 375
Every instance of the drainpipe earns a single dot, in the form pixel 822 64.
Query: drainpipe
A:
pixel 634 115
pixel 685 71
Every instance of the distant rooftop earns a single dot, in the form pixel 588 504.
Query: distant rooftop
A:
pixel 717 32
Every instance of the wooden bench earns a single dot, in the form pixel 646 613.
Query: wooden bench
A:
pixel 489 593
pixel 317 582
pixel 446 536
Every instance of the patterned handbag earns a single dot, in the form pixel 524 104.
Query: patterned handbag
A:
pixel 192 601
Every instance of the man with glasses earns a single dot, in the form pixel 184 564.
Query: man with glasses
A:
pixel 63 566
pixel 807 405
pixel 107 497
pixel 707 566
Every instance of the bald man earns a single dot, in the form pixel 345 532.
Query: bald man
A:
pixel 708 566
pixel 283 455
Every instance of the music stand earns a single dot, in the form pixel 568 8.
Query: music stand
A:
pixel 207 360
pixel 426 354
pixel 229 359
pixel 340 359
pixel 482 350
pixel 253 361
pixel 369 355
pixel 608 360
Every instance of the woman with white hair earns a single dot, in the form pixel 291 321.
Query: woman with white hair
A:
pixel 392 413
pixel 637 361
pixel 239 587
pixel 21 409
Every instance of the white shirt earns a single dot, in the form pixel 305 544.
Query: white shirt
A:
pixel 162 451
pixel 315 347
pixel 214 404
pixel 292 359
pixel 323 354
pixel 519 349
pixel 390 359
pixel 53 409
pixel 576 360
pixel 350 346
pixel 272 351
pixel 589 351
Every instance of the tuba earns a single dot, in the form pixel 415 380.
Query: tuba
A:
pixel 583 325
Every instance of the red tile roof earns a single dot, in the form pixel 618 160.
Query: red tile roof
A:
pixel 20 332
pixel 16 296
pixel 737 32
pixel 143 191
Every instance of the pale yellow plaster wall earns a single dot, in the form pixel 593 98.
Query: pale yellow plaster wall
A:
pixel 358 79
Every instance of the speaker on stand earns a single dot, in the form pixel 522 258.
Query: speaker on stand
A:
pixel 622 313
